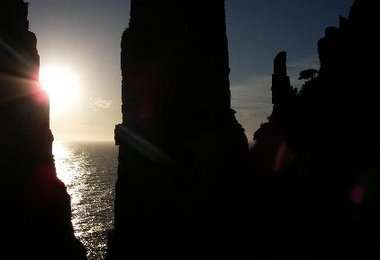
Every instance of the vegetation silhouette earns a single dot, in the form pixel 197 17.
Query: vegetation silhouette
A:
pixel 308 74
pixel 307 188
pixel 314 166
pixel 188 185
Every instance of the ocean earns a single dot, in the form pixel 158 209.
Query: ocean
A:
pixel 89 171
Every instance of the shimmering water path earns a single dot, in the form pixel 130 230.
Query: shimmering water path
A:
pixel 89 171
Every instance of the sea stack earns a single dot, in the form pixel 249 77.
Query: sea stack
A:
pixel 316 161
pixel 182 152
pixel 36 214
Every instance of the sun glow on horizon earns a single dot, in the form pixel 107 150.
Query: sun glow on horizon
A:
pixel 62 86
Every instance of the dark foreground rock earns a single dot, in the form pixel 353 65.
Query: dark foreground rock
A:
pixel 35 218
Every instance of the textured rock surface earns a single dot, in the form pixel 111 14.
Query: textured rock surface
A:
pixel 314 165
pixel 35 219
pixel 182 151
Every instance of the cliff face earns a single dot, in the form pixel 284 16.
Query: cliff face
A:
pixel 36 216
pixel 181 149
pixel 315 161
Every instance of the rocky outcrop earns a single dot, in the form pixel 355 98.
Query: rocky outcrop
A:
pixel 182 151
pixel 314 161
pixel 35 219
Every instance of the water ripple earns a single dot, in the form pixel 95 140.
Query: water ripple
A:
pixel 89 171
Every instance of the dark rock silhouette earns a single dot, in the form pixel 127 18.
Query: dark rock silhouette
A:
pixel 182 152
pixel 35 219
pixel 314 167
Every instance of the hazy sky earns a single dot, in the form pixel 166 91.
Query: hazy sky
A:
pixel 84 36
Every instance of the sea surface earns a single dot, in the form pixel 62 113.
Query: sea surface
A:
pixel 89 171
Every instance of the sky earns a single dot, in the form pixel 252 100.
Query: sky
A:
pixel 83 37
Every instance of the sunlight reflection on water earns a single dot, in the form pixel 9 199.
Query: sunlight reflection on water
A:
pixel 89 171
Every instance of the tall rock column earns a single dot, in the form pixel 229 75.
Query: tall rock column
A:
pixel 35 219
pixel 327 190
pixel 182 152
pixel 282 91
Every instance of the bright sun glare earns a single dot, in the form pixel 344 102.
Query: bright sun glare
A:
pixel 62 86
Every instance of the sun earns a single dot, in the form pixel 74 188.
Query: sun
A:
pixel 62 86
